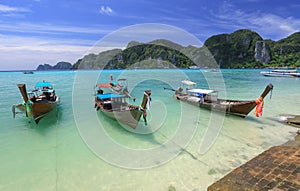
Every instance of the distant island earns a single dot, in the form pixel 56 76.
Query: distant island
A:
pixel 58 66
pixel 240 49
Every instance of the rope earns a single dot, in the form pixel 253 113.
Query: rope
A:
pixel 183 149
pixel 56 133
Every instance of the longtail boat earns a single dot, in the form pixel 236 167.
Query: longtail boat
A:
pixel 38 102
pixel 117 87
pixel 208 99
pixel 116 107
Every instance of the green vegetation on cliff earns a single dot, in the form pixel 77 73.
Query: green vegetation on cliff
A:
pixel 93 61
pixel 149 56
pixel 245 48
pixel 234 50
pixel 240 49
pixel 137 55
pixel 285 52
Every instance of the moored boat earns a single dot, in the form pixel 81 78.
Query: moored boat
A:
pixel 37 103
pixel 281 73
pixel 116 107
pixel 117 87
pixel 28 72
pixel 208 99
pixel 296 74
pixel 194 67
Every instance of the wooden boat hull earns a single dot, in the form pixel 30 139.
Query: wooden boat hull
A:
pixel 234 107
pixel 122 111
pixel 240 108
pixel 36 108
pixel 39 110
pixel 124 117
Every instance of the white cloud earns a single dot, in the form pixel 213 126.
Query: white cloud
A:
pixel 266 24
pixel 288 25
pixel 106 10
pixel 21 52
pixel 51 29
pixel 28 52
pixel 270 24
pixel 9 9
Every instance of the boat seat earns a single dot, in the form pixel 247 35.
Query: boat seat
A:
pixel 107 105
pixel 210 98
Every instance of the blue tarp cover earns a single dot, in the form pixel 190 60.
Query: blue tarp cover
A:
pixel 109 95
pixel 42 84
pixel 197 94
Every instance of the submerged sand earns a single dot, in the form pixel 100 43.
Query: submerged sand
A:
pixel 278 169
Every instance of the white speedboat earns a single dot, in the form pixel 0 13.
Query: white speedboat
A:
pixel 281 73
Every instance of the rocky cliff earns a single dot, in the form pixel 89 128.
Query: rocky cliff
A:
pixel 235 49
pixel 93 61
pixel 44 67
pixel 240 49
pixel 137 55
pixel 58 66
pixel 262 52
pixel 285 52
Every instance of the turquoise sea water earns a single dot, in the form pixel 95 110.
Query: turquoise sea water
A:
pixel 182 146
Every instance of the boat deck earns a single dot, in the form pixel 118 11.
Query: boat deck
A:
pixel 277 169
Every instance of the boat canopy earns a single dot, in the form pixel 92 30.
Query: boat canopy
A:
pixel 107 85
pixel 109 95
pixel 43 84
pixel 201 91
pixel 188 82
pixel 285 71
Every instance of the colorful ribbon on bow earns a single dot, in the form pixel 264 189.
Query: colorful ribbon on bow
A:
pixel 259 106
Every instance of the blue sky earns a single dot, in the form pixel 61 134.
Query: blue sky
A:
pixel 34 32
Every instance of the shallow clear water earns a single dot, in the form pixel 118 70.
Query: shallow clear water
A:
pixel 182 146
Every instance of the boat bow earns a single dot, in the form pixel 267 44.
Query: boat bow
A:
pixel 267 90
